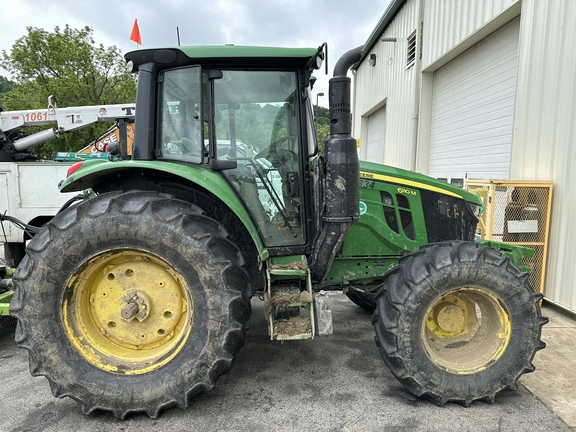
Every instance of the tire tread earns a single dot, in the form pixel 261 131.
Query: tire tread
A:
pixel 207 233
pixel 395 309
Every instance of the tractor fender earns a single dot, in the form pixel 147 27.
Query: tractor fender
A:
pixel 110 175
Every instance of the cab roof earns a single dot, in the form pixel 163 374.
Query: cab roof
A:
pixel 220 54
pixel 216 51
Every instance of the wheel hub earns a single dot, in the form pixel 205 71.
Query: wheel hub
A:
pixel 466 330
pixel 450 318
pixel 454 314
pixel 127 311
pixel 136 306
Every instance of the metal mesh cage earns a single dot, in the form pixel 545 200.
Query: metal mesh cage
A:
pixel 517 212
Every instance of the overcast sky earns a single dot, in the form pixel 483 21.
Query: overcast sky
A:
pixel 296 23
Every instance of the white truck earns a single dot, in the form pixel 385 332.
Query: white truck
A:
pixel 29 190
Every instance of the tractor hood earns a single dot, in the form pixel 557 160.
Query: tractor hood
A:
pixel 369 170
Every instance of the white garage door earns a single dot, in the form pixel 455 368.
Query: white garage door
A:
pixel 473 109
pixel 376 135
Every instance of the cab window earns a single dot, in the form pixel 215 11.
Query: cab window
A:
pixel 180 116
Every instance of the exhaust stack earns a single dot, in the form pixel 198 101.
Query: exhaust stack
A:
pixel 342 171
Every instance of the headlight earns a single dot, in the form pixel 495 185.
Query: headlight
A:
pixel 319 61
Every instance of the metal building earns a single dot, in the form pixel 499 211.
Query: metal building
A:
pixel 481 89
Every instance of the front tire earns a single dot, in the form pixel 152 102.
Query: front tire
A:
pixel 131 302
pixel 457 322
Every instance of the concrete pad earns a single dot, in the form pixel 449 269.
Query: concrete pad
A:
pixel 335 383
pixel 554 381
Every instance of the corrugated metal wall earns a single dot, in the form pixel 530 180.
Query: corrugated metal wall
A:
pixel 448 23
pixel 544 140
pixel 391 82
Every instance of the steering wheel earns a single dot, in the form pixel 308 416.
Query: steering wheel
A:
pixel 189 146
pixel 272 148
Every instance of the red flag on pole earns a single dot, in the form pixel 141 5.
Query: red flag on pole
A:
pixel 135 35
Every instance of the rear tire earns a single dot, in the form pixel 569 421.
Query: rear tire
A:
pixel 365 299
pixel 457 322
pixel 131 302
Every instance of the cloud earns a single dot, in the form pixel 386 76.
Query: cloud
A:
pixel 342 24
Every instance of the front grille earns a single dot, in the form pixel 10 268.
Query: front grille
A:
pixel 447 218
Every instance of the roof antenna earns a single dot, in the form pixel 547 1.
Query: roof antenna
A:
pixel 178 35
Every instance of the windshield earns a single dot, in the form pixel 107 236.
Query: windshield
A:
pixel 256 119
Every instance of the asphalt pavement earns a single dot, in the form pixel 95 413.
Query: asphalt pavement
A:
pixel 335 383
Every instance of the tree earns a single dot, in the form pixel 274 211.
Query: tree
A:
pixel 322 132
pixel 69 65
pixel 322 125
pixel 5 86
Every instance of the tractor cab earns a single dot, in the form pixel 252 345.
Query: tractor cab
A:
pixel 254 125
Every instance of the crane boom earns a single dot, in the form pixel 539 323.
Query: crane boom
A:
pixel 64 120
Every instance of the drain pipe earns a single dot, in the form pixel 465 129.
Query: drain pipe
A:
pixel 342 171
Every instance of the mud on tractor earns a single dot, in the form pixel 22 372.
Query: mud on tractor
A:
pixel 138 297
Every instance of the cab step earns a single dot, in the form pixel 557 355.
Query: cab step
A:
pixel 288 300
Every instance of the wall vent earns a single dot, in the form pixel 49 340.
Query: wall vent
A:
pixel 411 55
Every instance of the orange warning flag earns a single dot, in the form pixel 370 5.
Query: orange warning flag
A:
pixel 135 36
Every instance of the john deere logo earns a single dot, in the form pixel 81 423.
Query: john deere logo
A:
pixel 362 206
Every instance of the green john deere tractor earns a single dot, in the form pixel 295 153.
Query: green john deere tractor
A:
pixel 138 297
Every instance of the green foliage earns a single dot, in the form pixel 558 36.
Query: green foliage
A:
pixel 322 126
pixel 5 86
pixel 322 132
pixel 69 65
pixel 259 125
pixel 322 115
pixel 256 125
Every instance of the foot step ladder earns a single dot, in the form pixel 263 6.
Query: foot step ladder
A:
pixel 289 308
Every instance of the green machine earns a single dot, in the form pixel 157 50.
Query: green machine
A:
pixel 138 297
pixel 5 297
pixel 6 293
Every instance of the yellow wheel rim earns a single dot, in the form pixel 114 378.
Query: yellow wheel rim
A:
pixel 466 330
pixel 127 312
